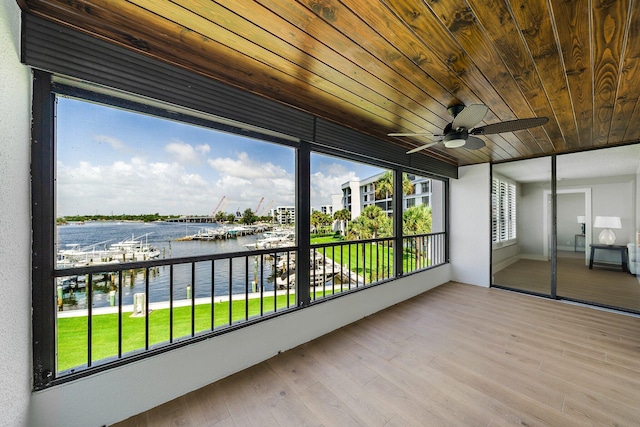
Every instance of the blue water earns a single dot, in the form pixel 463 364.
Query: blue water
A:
pixel 163 236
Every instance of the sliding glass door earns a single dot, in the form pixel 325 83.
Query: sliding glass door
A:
pixel 521 215
pixel 578 239
pixel 597 215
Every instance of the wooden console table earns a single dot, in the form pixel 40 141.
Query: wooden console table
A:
pixel 624 256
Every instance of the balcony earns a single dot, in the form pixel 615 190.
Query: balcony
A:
pixel 114 313
pixel 455 355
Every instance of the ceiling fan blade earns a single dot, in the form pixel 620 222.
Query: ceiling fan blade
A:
pixel 474 143
pixel 510 126
pixel 470 116
pixel 410 134
pixel 422 147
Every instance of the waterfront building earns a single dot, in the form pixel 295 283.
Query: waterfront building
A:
pixel 284 214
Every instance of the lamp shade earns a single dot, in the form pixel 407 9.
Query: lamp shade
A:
pixel 581 219
pixel 607 236
pixel 607 222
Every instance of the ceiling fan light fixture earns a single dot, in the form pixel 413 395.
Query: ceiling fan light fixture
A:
pixel 455 143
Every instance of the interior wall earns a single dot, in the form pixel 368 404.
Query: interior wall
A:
pixel 15 223
pixel 470 226
pixel 570 206
pixel 531 220
pixel 119 393
pixel 610 196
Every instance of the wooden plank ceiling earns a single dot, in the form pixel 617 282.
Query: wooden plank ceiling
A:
pixel 383 66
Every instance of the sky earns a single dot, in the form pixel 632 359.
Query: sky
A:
pixel 112 161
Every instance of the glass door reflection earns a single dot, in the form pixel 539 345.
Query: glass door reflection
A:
pixel 521 225
pixel 601 188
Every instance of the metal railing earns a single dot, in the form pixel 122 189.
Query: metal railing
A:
pixel 110 312
pixel 423 251
pixel 340 267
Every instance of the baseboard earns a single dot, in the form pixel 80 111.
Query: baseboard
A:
pixel 506 263
pixel 534 257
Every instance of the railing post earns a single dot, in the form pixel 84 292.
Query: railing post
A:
pixel 397 223
pixel 303 223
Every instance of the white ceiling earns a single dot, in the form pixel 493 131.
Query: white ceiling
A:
pixel 587 164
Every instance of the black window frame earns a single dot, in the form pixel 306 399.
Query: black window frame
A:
pixel 67 62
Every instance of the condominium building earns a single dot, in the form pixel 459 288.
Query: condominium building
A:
pixel 283 214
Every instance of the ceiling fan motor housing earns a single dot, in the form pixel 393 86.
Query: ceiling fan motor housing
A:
pixel 454 138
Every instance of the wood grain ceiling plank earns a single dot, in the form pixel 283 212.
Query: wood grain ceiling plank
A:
pixel 609 26
pixel 411 97
pixel 305 18
pixel 432 34
pixel 270 51
pixel 398 34
pixel 363 43
pixel 625 114
pixel 535 22
pixel 458 18
pixel 134 28
pixel 573 29
pixel 631 71
pixel 495 21
pixel 291 43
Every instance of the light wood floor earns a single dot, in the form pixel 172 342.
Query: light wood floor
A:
pixel 606 286
pixel 457 355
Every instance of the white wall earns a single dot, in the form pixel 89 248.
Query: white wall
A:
pixel 531 219
pixel 470 231
pixel 15 223
pixel 570 206
pixel 119 393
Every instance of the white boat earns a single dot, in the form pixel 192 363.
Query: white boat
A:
pixel 274 239
pixel 134 249
pixel 77 256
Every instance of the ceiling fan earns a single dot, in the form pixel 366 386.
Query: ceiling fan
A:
pixel 459 133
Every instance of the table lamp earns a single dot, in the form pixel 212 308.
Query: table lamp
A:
pixel 607 236
pixel 582 221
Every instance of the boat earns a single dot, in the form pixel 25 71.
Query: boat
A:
pixel 78 256
pixel 274 239
pixel 128 250
pixel 134 249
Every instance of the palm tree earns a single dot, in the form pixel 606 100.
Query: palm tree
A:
pixel 376 221
pixel 371 224
pixel 417 220
pixel 343 215
pixel 384 186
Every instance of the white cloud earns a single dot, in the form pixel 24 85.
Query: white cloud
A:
pixel 244 167
pixel 327 182
pixel 115 143
pixel 244 181
pixel 132 187
pixel 185 153
pixel 203 149
pixel 137 186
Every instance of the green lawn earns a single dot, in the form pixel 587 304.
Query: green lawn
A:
pixel 72 331
pixel 378 258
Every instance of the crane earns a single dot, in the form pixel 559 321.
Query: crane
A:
pixel 259 204
pixel 217 206
pixel 224 205
pixel 265 209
